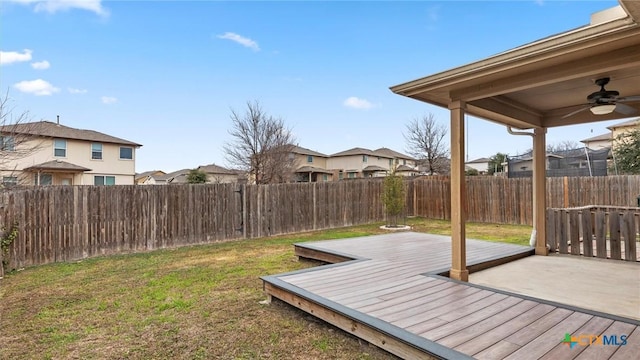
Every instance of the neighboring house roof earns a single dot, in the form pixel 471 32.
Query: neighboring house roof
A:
pixel 304 151
pixel 179 176
pixel 374 168
pixel 478 161
pixel 632 122
pixel 386 152
pixel 354 151
pixel 215 169
pixel 405 168
pixel 146 174
pixel 602 137
pixel 530 158
pixel 54 130
pixel 57 165
pixel 312 169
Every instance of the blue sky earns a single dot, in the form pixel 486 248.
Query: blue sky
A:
pixel 167 74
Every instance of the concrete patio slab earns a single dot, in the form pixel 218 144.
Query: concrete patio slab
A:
pixel 609 286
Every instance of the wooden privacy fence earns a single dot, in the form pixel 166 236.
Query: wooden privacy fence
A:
pixel 509 201
pixel 64 223
pixel 595 231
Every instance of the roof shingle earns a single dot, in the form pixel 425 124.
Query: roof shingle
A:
pixel 53 130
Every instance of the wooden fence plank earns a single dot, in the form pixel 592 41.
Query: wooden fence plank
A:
pixel 562 235
pixel 614 234
pixel 587 233
pixel 629 235
pixel 574 231
pixel 601 231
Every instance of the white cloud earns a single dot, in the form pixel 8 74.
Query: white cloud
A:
pixel 108 100
pixel 76 91
pixel 37 87
pixel 240 40
pixel 357 103
pixel 53 6
pixel 9 57
pixel 41 65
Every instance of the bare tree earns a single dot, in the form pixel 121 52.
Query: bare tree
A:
pixel 262 145
pixel 425 142
pixel 563 145
pixel 16 142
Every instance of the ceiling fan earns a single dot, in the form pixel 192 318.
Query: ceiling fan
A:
pixel 605 101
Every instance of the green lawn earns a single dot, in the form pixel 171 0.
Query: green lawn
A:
pixel 199 302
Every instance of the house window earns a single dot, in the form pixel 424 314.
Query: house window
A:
pixel 7 143
pixel 96 151
pixel 340 175
pixel 351 175
pixel 325 177
pixel 404 162
pixel 104 180
pixel 390 162
pixel 60 148
pixel 365 158
pixel 9 181
pixel 309 158
pixel 126 153
pixel 43 179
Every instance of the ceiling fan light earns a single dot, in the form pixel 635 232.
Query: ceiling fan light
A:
pixel 603 109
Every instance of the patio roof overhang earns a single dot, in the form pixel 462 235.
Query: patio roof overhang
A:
pixel 533 87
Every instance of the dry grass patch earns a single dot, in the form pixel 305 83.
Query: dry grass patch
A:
pixel 200 302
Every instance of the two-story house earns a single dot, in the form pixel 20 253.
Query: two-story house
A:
pixel 363 163
pixel 48 153
pixel 311 166
pixel 608 140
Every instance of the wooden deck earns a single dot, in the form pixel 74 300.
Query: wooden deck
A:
pixel 389 290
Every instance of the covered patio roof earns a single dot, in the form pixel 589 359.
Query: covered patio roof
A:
pixel 536 86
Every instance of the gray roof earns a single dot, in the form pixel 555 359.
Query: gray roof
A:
pixel 170 177
pixel 57 165
pixel 631 122
pixel 215 169
pixel 53 130
pixel 312 169
pixel 354 151
pixel 148 173
pixel 386 152
pixel 606 136
pixel 405 168
pixel 304 151
pixel 478 161
pixel 374 168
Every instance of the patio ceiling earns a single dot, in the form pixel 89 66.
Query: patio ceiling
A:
pixel 535 85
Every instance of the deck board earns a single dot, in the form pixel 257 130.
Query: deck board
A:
pixel 390 295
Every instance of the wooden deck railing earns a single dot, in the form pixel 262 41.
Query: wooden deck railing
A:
pixel 606 232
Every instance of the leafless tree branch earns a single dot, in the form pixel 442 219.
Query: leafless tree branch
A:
pixel 261 145
pixel 16 140
pixel 425 142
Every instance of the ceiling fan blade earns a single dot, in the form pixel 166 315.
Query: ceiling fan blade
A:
pixel 629 98
pixel 576 112
pixel 625 109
